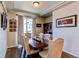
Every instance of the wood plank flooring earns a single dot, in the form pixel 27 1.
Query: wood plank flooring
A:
pixel 15 53
pixel 12 53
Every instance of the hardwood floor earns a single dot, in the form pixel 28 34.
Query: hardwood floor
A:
pixel 12 53
pixel 15 53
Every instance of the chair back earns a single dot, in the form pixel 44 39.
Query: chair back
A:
pixel 28 35
pixel 41 36
pixel 47 36
pixel 55 48
pixel 26 42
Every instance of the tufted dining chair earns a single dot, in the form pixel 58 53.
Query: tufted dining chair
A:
pixel 54 49
pixel 29 51
pixel 41 36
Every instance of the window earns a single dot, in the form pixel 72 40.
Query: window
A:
pixel 27 25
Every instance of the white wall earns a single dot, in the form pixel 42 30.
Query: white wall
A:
pixel 70 34
pixel 3 38
pixel 48 19
pixel 12 39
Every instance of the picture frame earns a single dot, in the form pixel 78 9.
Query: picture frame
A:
pixel 69 21
pixel 12 25
pixel 3 21
pixel 38 25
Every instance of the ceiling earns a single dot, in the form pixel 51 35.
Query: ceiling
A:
pixel 27 6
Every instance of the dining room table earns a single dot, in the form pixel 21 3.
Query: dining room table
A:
pixel 36 44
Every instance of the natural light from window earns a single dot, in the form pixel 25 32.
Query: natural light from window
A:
pixel 27 25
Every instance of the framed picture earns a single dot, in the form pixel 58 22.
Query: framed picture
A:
pixel 38 25
pixel 69 21
pixel 3 21
pixel 12 25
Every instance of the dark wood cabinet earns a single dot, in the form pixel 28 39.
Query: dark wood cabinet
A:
pixel 47 28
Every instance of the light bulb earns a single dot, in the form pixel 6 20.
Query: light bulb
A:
pixel 36 4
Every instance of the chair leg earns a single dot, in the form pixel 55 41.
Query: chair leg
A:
pixel 24 54
pixel 21 51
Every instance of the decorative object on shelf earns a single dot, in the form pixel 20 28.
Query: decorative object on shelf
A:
pixel 38 25
pixel 69 21
pixel 3 21
pixel 12 25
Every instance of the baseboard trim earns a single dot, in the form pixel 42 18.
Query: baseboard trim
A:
pixel 12 46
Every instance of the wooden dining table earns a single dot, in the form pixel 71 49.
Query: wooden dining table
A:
pixel 36 44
